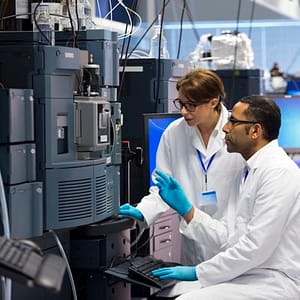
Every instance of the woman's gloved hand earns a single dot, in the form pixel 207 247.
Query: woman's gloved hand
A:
pixel 130 211
pixel 172 193
pixel 183 273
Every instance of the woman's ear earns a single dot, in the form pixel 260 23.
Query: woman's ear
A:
pixel 214 102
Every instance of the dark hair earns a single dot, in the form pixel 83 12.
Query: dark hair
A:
pixel 201 85
pixel 266 112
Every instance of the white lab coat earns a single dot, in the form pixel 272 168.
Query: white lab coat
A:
pixel 177 156
pixel 260 257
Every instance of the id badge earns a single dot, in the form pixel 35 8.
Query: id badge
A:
pixel 208 198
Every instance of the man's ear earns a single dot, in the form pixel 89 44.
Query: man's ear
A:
pixel 256 131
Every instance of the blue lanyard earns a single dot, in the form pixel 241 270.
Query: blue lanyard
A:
pixel 205 169
pixel 246 174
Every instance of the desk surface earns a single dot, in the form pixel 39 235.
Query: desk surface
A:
pixel 111 225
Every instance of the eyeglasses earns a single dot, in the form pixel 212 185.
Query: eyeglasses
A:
pixel 233 121
pixel 189 106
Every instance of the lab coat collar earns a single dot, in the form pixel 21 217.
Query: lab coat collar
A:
pixel 255 160
pixel 222 121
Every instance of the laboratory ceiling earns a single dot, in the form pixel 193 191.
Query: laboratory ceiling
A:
pixel 209 10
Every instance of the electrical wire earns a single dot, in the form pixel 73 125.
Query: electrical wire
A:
pixel 77 15
pixel 4 210
pixel 78 24
pixel 187 11
pixel 99 8
pixel 110 5
pixel 147 30
pixel 123 70
pixel 180 31
pixel 114 136
pixel 134 5
pixel 6 282
pixel 147 241
pixel 3 10
pixel 129 18
pixel 232 94
pixel 2 13
pixel 139 235
pixel 109 13
pixel 136 28
pixel 14 16
pixel 251 18
pixel 123 44
pixel 128 11
pixel 71 23
pixel 159 56
pixel 236 32
pixel 190 16
pixel 162 12
pixel 36 22
pixel 138 53
pixel 62 251
pixel 133 29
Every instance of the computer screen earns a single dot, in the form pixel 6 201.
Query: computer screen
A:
pixel 112 10
pixel 289 135
pixel 154 125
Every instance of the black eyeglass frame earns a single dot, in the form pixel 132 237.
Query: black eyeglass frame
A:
pixel 234 121
pixel 192 108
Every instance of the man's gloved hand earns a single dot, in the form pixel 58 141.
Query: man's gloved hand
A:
pixel 172 193
pixel 131 211
pixel 183 273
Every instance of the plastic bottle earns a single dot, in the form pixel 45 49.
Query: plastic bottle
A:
pixel 154 43
pixel 88 15
pixel 81 14
pixel 46 33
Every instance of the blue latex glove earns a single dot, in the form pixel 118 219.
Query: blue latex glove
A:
pixel 183 273
pixel 172 193
pixel 130 211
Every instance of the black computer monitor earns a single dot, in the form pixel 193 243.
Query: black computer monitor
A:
pixel 154 125
pixel 289 135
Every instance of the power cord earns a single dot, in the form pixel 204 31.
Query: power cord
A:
pixel 62 251
pixel 6 283
pixel 180 32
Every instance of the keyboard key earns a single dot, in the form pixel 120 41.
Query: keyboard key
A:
pixel 24 263
pixel 141 268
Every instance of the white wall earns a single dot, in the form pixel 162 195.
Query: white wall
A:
pixel 208 10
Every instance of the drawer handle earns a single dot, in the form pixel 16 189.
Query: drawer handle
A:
pixel 166 241
pixel 164 227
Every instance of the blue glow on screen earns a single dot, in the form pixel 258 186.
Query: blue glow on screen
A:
pixel 156 127
pixel 289 135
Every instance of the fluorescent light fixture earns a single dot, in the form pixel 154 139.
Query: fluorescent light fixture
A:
pixel 288 8
pixel 107 24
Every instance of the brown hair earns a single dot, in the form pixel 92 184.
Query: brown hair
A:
pixel 201 85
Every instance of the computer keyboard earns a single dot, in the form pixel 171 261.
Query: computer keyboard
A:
pixel 141 267
pixel 24 263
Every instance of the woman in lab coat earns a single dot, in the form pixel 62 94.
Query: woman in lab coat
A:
pixel 192 150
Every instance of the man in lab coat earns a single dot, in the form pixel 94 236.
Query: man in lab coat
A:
pixel 258 250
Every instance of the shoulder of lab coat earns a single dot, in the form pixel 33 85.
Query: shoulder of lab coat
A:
pixel 266 237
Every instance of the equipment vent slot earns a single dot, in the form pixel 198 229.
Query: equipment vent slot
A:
pixel 109 205
pixel 75 199
pixel 101 192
